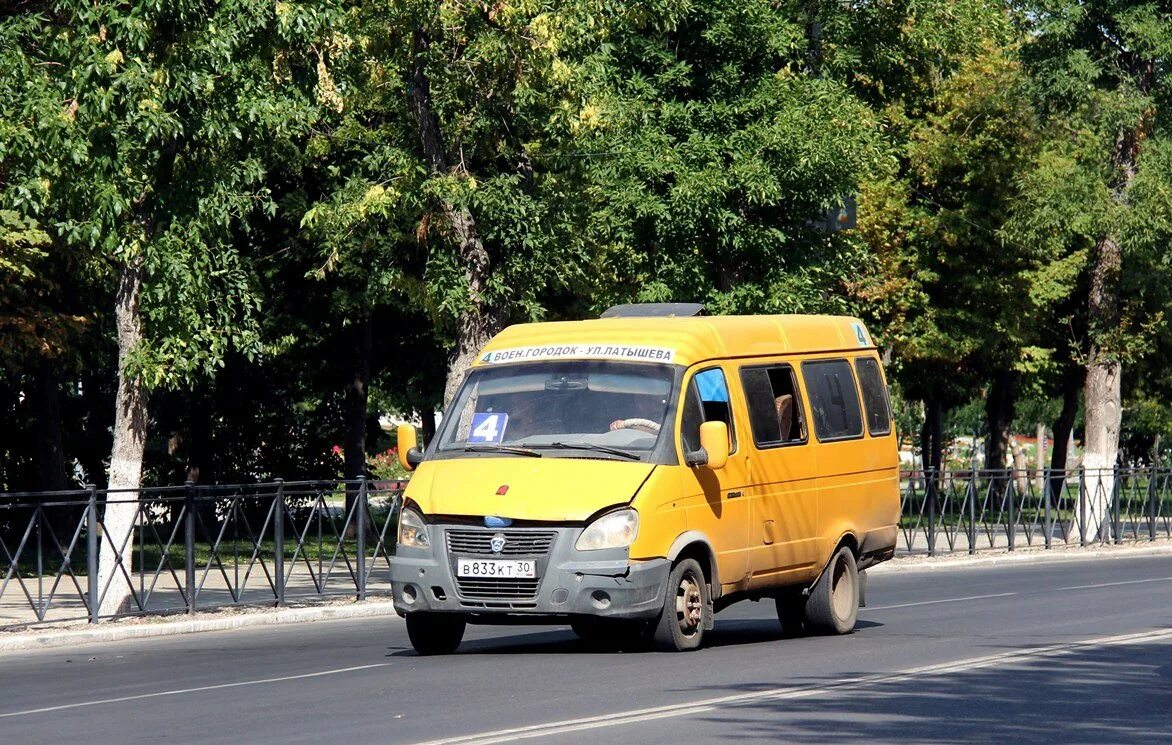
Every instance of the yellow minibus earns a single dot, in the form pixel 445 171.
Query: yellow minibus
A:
pixel 633 475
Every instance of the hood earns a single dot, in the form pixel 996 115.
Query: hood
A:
pixel 551 489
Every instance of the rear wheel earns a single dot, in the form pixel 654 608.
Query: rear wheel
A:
pixel 435 633
pixel 686 609
pixel 833 605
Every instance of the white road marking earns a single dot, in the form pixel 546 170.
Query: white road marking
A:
pixel 934 602
pixel 1113 584
pixel 218 686
pixel 792 692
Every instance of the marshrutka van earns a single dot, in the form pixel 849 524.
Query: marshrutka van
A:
pixel 635 474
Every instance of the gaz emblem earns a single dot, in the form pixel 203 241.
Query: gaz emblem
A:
pixel 497 544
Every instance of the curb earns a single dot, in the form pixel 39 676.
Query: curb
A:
pixel 948 562
pixel 124 631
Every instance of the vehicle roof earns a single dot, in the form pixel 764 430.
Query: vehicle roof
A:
pixel 692 339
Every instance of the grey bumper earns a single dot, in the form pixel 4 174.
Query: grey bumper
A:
pixel 601 583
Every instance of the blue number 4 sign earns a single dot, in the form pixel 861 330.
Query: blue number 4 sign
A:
pixel 488 428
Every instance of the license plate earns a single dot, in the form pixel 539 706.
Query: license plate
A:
pixel 496 568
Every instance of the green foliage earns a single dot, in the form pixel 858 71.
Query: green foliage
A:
pixel 140 134
pixel 712 153
pixel 263 164
pixel 951 292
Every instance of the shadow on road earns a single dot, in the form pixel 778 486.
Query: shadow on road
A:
pixel 556 640
pixel 1107 695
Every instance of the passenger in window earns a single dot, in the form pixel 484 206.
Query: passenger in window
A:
pixel 785 415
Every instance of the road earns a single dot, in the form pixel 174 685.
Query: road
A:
pixel 1058 652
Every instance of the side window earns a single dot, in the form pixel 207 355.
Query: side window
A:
pixel 875 400
pixel 833 399
pixel 775 409
pixel 707 401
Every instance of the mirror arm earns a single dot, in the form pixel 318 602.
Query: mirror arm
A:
pixel 414 456
pixel 696 458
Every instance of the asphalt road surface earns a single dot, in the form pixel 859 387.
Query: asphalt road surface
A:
pixel 1056 652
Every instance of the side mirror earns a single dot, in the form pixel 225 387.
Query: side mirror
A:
pixel 410 455
pixel 714 444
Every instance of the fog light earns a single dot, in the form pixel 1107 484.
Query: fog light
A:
pixel 600 599
pixel 410 594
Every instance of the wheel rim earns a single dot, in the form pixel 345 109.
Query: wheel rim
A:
pixel 841 590
pixel 689 604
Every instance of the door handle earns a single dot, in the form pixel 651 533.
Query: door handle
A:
pixel 735 494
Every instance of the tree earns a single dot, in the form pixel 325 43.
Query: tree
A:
pixel 445 202
pixel 944 287
pixel 713 153
pixel 140 134
pixel 1096 68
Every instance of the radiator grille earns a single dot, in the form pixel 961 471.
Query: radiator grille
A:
pixel 517 542
pixel 527 543
pixel 497 588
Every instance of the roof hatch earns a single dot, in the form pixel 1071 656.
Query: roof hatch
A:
pixel 654 310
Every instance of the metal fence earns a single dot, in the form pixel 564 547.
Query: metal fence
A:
pixel 977 510
pixel 68 556
pixel 93 554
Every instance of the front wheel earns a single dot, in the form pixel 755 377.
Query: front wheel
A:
pixel 435 633
pixel 686 609
pixel 833 605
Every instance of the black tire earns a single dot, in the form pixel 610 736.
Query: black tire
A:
pixel 435 633
pixel 686 610
pixel 833 605
pixel 791 613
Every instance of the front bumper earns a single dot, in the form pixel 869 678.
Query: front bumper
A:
pixel 603 583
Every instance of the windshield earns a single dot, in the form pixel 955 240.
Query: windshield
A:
pixel 574 408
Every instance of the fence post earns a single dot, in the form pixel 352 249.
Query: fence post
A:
pixel 360 528
pixel 973 511
pixel 279 541
pixel 189 542
pixel 1116 497
pixel 1082 506
pixel 1049 518
pixel 91 551
pixel 1011 490
pixel 931 472
pixel 1152 504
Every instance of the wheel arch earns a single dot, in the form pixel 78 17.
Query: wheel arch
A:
pixel 846 538
pixel 694 544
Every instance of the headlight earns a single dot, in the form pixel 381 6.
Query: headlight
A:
pixel 612 530
pixel 412 529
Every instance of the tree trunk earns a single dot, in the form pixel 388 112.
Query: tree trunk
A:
pixel 1040 458
pixel 999 406
pixel 931 435
pixel 427 419
pixel 130 431
pixel 1072 383
pixel 478 321
pixel 354 446
pixel 1101 442
pixel 1103 398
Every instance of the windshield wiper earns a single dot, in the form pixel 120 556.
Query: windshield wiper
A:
pixel 590 446
pixel 501 449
